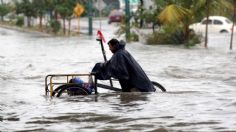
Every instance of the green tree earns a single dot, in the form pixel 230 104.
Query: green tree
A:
pixel 71 6
pixel 62 10
pixel 65 9
pixel 27 8
pixel 148 16
pixel 50 7
pixel 174 15
pixel 4 10
pixel 41 9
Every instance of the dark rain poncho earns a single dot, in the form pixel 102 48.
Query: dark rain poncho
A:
pixel 124 67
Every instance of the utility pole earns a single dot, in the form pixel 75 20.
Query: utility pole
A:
pixel 90 19
pixel 206 31
pixel 232 33
pixel 127 18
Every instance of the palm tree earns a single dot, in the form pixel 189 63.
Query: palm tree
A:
pixel 174 14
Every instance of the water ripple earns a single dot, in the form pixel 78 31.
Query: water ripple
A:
pixel 197 123
pixel 200 84
pixel 74 117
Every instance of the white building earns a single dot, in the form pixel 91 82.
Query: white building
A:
pixel 6 1
pixel 148 4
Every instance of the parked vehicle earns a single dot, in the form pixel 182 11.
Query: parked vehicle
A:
pixel 216 24
pixel 115 16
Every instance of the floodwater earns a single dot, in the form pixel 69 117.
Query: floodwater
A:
pixel 201 86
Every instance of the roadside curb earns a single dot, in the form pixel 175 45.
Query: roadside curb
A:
pixel 23 30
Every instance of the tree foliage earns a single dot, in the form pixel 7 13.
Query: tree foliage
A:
pixel 4 10
pixel 54 8
pixel 27 8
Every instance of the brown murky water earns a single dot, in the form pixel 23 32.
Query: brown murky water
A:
pixel 201 87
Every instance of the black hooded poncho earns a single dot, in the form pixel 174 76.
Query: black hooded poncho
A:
pixel 123 66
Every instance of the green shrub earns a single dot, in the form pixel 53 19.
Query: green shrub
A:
pixel 159 38
pixel 55 26
pixel 133 37
pixel 20 21
pixel 193 40
pixel 174 37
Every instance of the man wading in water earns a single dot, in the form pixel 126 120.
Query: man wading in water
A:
pixel 125 68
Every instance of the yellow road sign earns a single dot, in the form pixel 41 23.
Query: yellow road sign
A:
pixel 78 10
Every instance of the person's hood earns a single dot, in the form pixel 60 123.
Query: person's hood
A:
pixel 121 44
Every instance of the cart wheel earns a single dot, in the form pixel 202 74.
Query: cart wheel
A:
pixel 72 90
pixel 57 89
pixel 159 86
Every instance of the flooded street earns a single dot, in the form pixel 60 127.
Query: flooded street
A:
pixel 201 86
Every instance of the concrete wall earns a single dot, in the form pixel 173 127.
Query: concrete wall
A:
pixel 148 4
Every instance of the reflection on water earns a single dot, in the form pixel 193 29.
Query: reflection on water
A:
pixel 200 83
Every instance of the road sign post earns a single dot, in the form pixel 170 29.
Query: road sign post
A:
pixel 100 5
pixel 78 11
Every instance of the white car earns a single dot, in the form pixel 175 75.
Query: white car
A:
pixel 216 24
